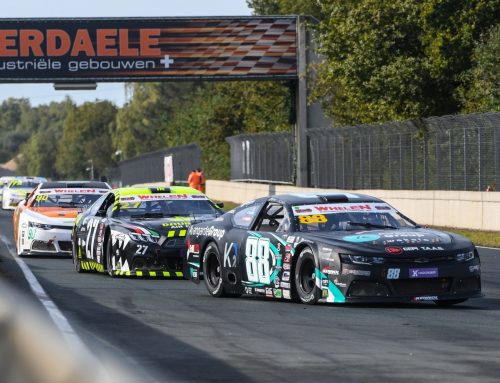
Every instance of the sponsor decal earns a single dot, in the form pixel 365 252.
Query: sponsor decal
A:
pixel 288 258
pixel 208 231
pixel 286 276
pixel 31 233
pixel 329 270
pixel 230 259
pixel 431 248
pixel 74 191
pixel 276 282
pixel 285 285
pixel 324 293
pixel 278 293
pixel 194 248
pixel 360 238
pixel 194 273
pixel 286 294
pixel 428 272
pixel 363 273
pixel 324 282
pixel 260 291
pixel 249 290
pixel 269 292
pixel 286 266
pixel 426 298
pixel 393 250
pixel 340 208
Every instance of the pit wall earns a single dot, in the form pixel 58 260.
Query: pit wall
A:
pixel 459 209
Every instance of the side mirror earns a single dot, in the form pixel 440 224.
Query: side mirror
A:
pixel 220 205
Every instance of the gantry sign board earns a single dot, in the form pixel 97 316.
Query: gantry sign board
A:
pixel 128 49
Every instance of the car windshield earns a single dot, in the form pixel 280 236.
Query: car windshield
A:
pixel 163 208
pixel 82 200
pixel 349 216
pixel 23 185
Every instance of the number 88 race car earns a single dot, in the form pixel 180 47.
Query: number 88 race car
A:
pixel 330 248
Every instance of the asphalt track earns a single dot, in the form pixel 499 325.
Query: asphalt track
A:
pixel 175 332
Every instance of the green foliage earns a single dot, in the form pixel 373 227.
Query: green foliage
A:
pixel 38 154
pixel 397 60
pixel 285 7
pixel 87 136
pixel 480 90
pixel 140 122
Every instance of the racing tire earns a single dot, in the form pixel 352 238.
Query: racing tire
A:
pixel 449 302
pixel 76 260
pixel 109 262
pixel 212 270
pixel 305 278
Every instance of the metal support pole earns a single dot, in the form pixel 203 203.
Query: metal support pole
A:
pixel 301 102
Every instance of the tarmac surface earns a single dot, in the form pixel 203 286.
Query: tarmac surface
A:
pixel 174 331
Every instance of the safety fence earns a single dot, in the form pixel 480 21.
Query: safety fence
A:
pixel 459 152
pixel 266 157
pixel 171 165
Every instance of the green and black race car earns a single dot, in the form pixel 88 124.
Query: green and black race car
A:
pixel 139 231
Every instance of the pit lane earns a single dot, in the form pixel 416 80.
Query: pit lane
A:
pixel 175 332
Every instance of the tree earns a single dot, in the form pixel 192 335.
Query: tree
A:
pixel 480 89
pixel 87 137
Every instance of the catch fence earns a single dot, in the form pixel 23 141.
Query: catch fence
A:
pixel 460 152
pixel 151 167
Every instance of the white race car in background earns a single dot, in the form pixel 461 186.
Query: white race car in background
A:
pixel 43 222
pixel 4 181
pixel 18 189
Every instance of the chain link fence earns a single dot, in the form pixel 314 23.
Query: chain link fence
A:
pixel 265 157
pixel 459 152
pixel 150 167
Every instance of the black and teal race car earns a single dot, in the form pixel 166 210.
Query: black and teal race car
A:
pixel 336 248
pixel 139 232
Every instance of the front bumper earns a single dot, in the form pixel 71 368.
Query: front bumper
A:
pixel 410 282
pixel 158 262
pixel 55 241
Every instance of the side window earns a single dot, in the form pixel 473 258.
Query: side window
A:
pixel 98 204
pixel 273 218
pixel 244 217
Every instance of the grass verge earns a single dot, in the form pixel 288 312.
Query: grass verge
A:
pixel 479 237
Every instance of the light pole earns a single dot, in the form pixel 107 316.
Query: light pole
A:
pixel 91 169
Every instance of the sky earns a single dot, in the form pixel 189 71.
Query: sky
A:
pixel 45 93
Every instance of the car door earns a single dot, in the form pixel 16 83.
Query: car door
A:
pixel 263 251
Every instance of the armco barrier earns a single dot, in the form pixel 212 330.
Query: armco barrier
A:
pixel 460 209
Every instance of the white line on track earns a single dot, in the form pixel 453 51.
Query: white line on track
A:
pixel 488 248
pixel 57 316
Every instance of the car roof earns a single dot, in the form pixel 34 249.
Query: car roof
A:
pixel 322 197
pixel 155 190
pixel 74 184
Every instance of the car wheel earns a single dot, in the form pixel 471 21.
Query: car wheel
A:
pixel 449 302
pixel 212 270
pixel 76 260
pixel 305 277
pixel 109 259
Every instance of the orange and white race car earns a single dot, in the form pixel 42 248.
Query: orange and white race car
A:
pixel 44 220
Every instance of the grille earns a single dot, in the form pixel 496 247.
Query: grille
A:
pixel 42 246
pixel 424 286
pixel 65 245
pixel 468 284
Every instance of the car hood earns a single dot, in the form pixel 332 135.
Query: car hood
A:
pixel 163 226
pixel 56 212
pixel 417 241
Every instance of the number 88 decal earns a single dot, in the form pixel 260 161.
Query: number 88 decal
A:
pixel 257 260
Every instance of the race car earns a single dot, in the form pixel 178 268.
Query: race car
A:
pixel 43 222
pixel 17 190
pixel 4 181
pixel 337 248
pixel 139 232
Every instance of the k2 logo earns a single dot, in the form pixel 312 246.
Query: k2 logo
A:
pixel 228 262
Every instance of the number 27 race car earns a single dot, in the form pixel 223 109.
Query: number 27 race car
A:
pixel 330 248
